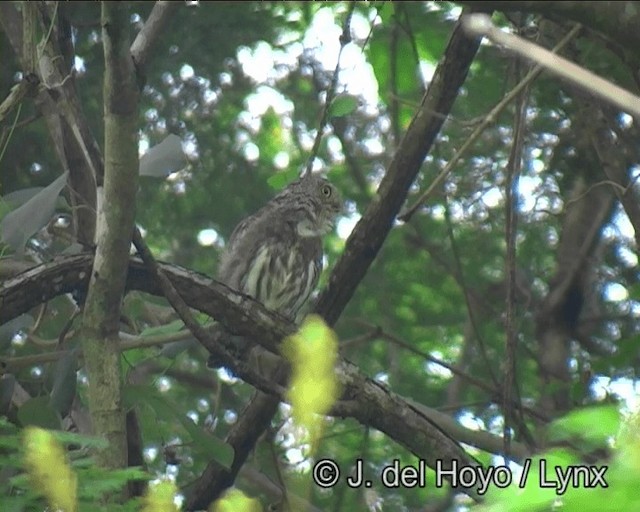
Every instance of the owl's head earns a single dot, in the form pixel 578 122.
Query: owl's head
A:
pixel 317 202
pixel 323 192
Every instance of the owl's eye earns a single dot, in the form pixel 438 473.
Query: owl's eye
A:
pixel 326 190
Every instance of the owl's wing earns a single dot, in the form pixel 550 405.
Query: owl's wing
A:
pixel 237 251
pixel 239 231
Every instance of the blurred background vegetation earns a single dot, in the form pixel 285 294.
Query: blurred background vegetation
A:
pixel 243 85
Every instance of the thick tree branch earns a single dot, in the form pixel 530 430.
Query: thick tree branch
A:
pixel 619 21
pixel 11 22
pixel 615 164
pixel 480 24
pixel 587 209
pixel 76 146
pixel 367 400
pixel 367 237
pixel 101 318
pixel 153 27
pixel 361 249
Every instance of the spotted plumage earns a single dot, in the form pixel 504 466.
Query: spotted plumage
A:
pixel 275 255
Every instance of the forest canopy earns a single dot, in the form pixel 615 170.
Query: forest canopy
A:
pixel 480 286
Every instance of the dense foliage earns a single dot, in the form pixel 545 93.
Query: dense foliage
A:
pixel 447 317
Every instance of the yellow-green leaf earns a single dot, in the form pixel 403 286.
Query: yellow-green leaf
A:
pixel 235 501
pixel 312 352
pixel 160 497
pixel 48 469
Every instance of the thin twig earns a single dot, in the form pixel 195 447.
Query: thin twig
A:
pixel 494 394
pixel 200 333
pixel 26 87
pixel 13 126
pixel 345 38
pixel 482 346
pixel 394 105
pixel 488 120
pixel 514 167
pixel 480 25
pixel 13 364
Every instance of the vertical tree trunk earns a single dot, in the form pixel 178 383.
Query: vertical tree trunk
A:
pixel 115 226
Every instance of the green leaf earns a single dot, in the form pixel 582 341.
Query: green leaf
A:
pixel 99 480
pixel 532 497
pixel 207 445
pixel 20 224
pixel 38 412
pixel 67 438
pixel 343 105
pixel 280 180
pixel 170 328
pixel 9 438
pixel 595 424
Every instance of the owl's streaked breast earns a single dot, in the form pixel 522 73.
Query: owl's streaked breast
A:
pixel 283 279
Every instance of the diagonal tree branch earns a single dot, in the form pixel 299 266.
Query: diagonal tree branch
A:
pixel 367 237
pixel 480 24
pixel 618 21
pixel 363 399
pixel 361 249
pixel 145 41
pixel 369 234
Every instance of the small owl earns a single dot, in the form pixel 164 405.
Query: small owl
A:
pixel 275 255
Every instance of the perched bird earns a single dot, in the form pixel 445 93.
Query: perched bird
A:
pixel 275 255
